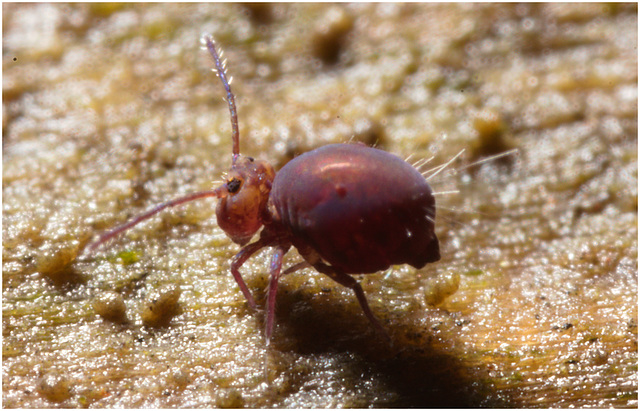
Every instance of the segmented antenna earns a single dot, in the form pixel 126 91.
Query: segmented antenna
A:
pixel 222 73
pixel 218 192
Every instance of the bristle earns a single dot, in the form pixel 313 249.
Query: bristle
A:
pixel 439 193
pixel 487 159
pixel 438 170
pixel 421 163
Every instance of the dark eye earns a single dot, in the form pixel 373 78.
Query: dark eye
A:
pixel 233 185
pixel 250 159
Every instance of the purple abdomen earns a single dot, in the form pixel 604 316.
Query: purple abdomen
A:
pixel 361 209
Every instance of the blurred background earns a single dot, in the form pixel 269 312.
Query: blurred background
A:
pixel 109 109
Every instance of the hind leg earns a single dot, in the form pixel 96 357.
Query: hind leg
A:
pixel 348 281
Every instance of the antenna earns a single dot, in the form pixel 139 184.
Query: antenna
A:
pixel 221 71
pixel 218 192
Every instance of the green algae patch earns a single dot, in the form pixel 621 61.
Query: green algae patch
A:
pixel 126 257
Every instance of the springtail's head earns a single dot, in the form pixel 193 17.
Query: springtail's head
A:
pixel 248 185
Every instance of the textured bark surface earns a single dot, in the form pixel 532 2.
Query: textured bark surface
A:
pixel 110 109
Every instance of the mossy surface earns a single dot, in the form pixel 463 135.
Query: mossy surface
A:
pixel 110 109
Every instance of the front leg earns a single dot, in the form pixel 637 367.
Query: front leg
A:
pixel 237 262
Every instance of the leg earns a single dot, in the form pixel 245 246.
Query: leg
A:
pixel 296 267
pixel 274 275
pixel 237 262
pixel 348 281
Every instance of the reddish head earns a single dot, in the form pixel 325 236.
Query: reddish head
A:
pixel 248 186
